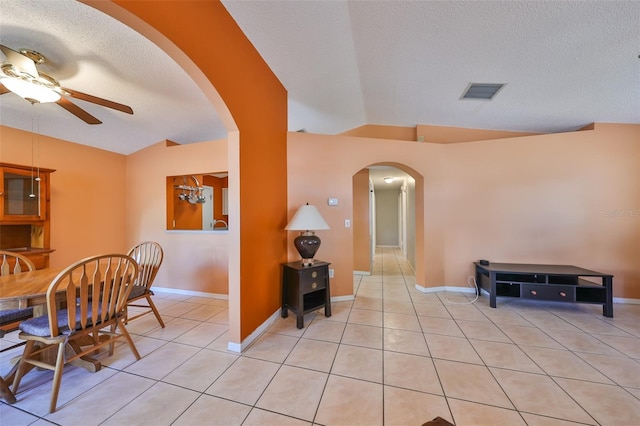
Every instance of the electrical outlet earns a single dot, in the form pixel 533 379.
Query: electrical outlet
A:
pixel 332 201
pixel 347 223
pixel 330 273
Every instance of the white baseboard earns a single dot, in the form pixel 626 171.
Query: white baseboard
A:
pixel 445 288
pixel 348 298
pixel 190 292
pixel 621 300
pixel 626 300
pixel 239 347
pixel 361 273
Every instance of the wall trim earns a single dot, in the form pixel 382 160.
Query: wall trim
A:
pixel 620 300
pixel 348 298
pixel 361 273
pixel 445 288
pixel 190 292
pixel 240 347
pixel 626 300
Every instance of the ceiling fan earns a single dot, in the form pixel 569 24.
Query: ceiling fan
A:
pixel 19 74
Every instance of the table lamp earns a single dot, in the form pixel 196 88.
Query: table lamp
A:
pixel 307 219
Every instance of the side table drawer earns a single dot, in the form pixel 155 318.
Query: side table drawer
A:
pixel 548 292
pixel 312 280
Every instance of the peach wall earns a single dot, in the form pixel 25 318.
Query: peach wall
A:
pixel 194 260
pixel 383 132
pixel 361 240
pixel 87 193
pixel 446 134
pixel 562 198
pixel 546 199
pixel 335 160
pixel 434 134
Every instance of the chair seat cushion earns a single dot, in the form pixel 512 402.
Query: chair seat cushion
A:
pixel 9 316
pixel 39 326
pixel 137 291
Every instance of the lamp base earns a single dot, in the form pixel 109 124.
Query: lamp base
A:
pixel 307 262
pixel 307 244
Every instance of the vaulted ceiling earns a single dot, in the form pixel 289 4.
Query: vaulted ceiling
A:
pixel 345 64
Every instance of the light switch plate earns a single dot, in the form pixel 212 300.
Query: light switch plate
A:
pixel 332 201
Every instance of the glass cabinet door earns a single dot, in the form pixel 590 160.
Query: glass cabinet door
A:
pixel 21 194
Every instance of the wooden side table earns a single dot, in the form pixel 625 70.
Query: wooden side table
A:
pixel 305 289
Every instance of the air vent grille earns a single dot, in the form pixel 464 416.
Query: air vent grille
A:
pixel 482 91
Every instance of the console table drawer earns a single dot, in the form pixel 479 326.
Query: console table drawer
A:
pixel 548 292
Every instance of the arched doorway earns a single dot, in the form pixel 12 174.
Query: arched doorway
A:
pixel 387 211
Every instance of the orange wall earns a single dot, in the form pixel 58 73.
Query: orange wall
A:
pixel 217 54
pixel 537 199
pixel 105 202
pixel 88 193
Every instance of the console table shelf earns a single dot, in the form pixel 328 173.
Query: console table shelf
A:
pixel 565 283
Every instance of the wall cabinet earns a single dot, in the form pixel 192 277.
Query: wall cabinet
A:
pixel 25 211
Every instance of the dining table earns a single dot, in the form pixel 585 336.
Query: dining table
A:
pixel 29 289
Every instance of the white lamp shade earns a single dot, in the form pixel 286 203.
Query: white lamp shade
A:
pixel 28 90
pixel 307 218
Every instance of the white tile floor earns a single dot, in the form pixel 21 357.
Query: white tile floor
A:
pixel 394 356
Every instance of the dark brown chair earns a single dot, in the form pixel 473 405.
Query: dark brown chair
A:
pixel 149 257
pixel 95 291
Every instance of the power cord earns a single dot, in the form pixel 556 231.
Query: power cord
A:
pixel 473 284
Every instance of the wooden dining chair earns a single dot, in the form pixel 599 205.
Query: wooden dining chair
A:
pixel 14 263
pixel 149 257
pixel 95 291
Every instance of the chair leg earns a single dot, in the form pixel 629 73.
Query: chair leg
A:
pixel 96 341
pixel 155 310
pixel 126 335
pixel 6 393
pixel 112 345
pixel 57 376
pixel 23 366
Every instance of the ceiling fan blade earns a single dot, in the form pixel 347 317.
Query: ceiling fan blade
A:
pixel 3 89
pixel 99 101
pixel 19 61
pixel 77 111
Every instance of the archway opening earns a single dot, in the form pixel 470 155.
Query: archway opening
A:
pixel 388 210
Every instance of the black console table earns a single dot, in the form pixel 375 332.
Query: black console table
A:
pixel 546 282
pixel 305 289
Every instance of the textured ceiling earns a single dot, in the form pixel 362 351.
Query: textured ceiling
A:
pixel 346 64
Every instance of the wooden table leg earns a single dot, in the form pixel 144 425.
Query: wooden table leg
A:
pixel 86 362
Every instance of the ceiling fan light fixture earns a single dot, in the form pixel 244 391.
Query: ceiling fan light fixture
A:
pixel 30 90
pixel 389 179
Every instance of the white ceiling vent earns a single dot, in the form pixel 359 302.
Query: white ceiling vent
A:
pixel 482 91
